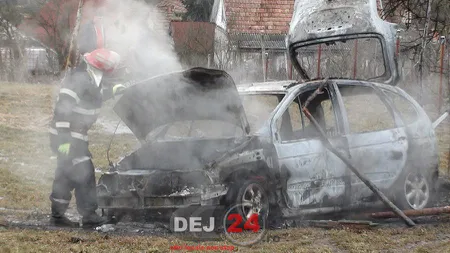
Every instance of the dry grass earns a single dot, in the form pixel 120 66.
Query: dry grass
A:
pixel 26 173
pixel 26 162
pixel 420 239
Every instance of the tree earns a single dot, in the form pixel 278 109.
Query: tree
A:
pixel 421 27
pixel 52 22
pixel 197 10
pixel 10 18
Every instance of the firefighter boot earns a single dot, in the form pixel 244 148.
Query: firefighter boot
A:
pixel 62 221
pixel 93 219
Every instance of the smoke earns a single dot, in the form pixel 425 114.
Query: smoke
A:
pixel 138 32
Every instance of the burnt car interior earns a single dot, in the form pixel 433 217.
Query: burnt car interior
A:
pixel 295 125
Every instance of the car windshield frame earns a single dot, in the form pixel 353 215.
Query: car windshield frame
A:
pixel 386 77
pixel 280 96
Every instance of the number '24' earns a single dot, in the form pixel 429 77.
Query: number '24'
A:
pixel 251 223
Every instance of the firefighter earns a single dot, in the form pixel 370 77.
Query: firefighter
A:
pixel 76 110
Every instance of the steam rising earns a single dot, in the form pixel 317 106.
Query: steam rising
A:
pixel 137 32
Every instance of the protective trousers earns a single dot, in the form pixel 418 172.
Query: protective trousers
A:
pixel 74 171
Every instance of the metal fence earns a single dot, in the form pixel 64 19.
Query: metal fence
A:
pixel 35 61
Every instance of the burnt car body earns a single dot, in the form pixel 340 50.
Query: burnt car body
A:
pixel 278 159
pixel 206 141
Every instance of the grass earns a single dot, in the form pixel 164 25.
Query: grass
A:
pixel 420 239
pixel 26 162
pixel 26 173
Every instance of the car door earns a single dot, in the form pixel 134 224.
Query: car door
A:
pixel 377 140
pixel 309 178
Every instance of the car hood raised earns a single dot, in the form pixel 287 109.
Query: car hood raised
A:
pixel 194 94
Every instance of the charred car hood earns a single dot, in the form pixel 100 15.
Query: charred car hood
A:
pixel 324 21
pixel 194 94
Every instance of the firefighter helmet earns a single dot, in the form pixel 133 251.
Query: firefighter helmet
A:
pixel 103 59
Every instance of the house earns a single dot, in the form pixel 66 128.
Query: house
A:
pixel 245 38
pixel 257 31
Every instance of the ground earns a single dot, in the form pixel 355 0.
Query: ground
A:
pixel 26 173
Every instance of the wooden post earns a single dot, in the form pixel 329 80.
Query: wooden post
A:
pixel 441 72
pixel 362 177
pixel 263 57
pixel 209 60
pixel 423 212
pixel 424 44
pixel 290 76
pixel 319 58
pixel 286 58
pixel 74 33
pixel 355 60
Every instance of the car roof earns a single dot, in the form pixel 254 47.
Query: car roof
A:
pixel 266 87
pixel 285 86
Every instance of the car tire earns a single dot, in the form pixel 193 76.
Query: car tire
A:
pixel 252 197
pixel 414 190
pixel 113 215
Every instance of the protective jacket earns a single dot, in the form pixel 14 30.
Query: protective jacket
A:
pixel 76 110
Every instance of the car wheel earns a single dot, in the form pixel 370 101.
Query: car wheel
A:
pixel 252 198
pixel 113 215
pixel 415 190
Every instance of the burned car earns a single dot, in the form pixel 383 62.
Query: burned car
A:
pixel 206 141
pixel 252 145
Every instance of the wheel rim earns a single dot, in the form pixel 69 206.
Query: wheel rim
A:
pixel 254 201
pixel 417 191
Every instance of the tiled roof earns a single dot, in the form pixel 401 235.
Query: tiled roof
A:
pixel 172 8
pixel 259 16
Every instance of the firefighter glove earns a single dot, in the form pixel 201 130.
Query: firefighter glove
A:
pixel 64 148
pixel 118 89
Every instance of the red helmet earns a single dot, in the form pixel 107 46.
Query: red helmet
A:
pixel 103 59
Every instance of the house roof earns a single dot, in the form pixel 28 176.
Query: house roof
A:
pixel 172 8
pixel 264 16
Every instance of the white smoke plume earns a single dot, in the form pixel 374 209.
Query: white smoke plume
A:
pixel 137 31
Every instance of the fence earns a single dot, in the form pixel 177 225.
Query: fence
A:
pixel 36 61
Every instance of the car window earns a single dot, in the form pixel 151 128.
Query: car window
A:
pixel 406 109
pixel 366 112
pixel 329 116
pixel 291 122
pixel 294 125
pixel 258 108
pixel 296 117
pixel 360 58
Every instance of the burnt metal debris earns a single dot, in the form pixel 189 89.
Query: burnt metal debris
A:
pixel 437 122
pixel 422 212
pixel 354 224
